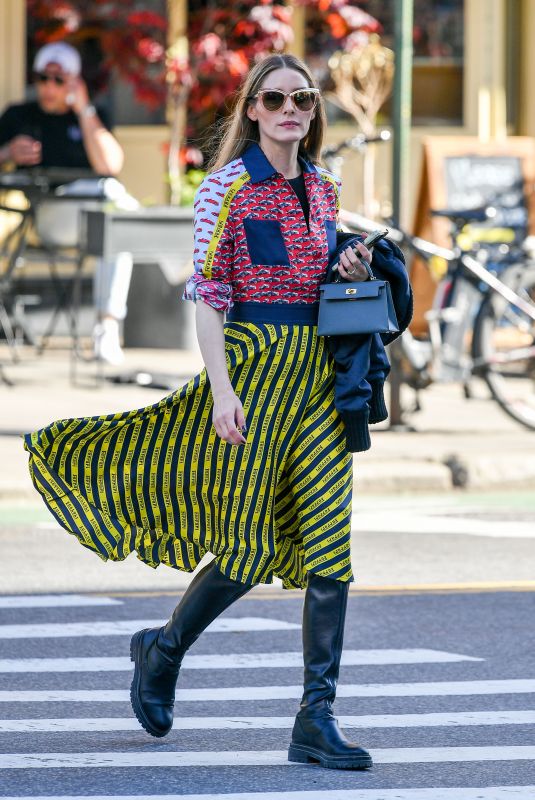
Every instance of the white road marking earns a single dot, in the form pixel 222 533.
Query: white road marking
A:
pixel 437 688
pixel 128 627
pixel 48 525
pixel 432 689
pixel 67 696
pixel 234 661
pixel 56 601
pixel 255 758
pixel 402 521
pixel 471 793
pixel 406 521
pixel 107 724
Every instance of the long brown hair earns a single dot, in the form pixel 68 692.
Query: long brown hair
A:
pixel 238 131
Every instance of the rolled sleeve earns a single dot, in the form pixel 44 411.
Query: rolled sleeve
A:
pixel 213 293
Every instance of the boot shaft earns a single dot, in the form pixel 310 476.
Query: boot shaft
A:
pixel 208 595
pixel 324 616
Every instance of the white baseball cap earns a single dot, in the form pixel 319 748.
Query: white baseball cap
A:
pixel 59 53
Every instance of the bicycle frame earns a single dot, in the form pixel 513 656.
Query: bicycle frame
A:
pixel 450 322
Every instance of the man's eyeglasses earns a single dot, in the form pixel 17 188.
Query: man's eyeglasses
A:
pixel 274 99
pixel 43 77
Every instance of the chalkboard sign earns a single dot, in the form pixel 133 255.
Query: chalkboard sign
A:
pixel 473 181
pixel 460 172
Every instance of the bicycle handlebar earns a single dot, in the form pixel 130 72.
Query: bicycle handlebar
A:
pixel 358 142
pixel 421 246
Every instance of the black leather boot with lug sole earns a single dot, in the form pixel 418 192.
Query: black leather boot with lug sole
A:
pixel 152 692
pixel 157 653
pixel 316 737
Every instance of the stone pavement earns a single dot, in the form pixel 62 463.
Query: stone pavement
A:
pixel 451 439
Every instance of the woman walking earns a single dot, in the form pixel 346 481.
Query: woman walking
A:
pixel 248 461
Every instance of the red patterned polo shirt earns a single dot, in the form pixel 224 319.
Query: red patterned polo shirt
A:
pixel 251 239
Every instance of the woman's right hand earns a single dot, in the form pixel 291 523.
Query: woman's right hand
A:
pixel 228 417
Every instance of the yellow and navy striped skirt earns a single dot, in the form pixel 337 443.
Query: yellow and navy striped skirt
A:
pixel 159 481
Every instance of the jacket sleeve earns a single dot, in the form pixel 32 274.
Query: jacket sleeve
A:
pixel 361 368
pixel 352 390
pixel 213 249
pixel 377 375
pixel 388 264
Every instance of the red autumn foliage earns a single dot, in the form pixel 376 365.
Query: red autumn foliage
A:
pixel 224 39
pixel 128 40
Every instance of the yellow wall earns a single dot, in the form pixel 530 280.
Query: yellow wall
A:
pixel 485 78
pixel 144 168
pixel 526 122
pixel 12 51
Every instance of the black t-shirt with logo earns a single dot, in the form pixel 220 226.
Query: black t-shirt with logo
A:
pixel 60 134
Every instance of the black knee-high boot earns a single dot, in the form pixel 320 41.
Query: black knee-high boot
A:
pixel 316 736
pixel 158 652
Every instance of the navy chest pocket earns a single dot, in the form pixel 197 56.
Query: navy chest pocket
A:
pixel 330 227
pixel 265 242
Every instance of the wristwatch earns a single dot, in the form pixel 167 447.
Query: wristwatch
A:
pixel 88 111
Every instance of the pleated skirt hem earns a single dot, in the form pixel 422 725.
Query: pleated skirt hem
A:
pixel 118 539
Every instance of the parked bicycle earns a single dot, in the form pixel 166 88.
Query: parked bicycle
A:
pixel 482 319
pixel 481 324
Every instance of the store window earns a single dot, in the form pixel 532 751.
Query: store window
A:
pixel 438 43
pixel 122 47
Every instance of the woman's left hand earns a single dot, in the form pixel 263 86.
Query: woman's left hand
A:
pixel 350 264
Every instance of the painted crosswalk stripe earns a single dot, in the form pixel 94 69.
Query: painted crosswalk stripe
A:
pixel 109 724
pixel 209 694
pixel 255 758
pixel 461 793
pixel 235 661
pixel 56 601
pixel 416 523
pixel 130 626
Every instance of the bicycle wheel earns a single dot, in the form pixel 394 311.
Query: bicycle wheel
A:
pixel 503 347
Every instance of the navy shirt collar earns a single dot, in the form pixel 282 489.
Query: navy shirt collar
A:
pixel 259 168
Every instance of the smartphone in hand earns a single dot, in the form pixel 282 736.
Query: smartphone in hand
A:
pixel 374 237
pixel 369 242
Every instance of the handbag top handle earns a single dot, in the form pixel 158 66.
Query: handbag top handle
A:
pixel 369 270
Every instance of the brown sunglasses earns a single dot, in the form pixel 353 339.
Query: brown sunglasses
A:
pixel 274 99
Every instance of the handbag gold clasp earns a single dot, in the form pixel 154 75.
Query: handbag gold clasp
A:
pixel 351 290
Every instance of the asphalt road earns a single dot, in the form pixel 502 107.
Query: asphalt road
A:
pixel 438 680
pixel 399 540
pixel 440 686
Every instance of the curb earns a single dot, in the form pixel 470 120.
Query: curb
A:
pixel 501 470
pixel 396 476
pixel 399 477
pixel 453 473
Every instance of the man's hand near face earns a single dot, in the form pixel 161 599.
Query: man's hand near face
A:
pixel 77 96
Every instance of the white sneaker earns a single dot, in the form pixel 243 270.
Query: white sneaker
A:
pixel 106 344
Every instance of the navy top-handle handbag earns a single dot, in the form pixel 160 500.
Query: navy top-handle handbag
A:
pixel 356 307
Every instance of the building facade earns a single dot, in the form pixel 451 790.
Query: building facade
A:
pixel 481 86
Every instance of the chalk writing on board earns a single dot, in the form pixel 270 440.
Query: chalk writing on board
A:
pixel 473 181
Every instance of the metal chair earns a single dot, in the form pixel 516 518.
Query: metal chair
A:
pixel 40 235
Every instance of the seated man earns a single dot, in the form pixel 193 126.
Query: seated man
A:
pixel 63 129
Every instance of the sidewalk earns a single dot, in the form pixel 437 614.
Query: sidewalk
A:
pixel 453 439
